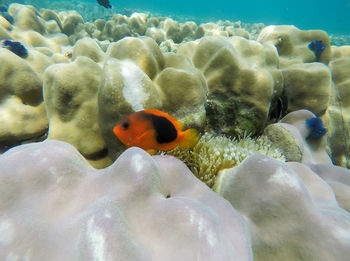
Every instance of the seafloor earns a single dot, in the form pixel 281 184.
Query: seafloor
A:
pixel 268 178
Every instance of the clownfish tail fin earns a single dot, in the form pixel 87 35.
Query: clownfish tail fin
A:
pixel 189 138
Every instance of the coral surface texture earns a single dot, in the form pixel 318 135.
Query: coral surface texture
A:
pixel 55 206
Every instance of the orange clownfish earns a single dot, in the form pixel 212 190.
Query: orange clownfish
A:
pixel 154 130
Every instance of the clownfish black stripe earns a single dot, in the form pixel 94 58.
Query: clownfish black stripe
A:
pixel 165 130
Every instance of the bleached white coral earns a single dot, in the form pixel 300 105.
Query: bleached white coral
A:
pixel 213 153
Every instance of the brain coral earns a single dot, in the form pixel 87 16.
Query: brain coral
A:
pixel 55 206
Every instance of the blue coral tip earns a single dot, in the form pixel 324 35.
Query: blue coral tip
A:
pixel 317 46
pixel 316 128
pixel 16 47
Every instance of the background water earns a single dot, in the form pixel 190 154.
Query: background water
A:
pixel 331 16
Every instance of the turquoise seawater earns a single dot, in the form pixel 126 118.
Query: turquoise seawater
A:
pixel 331 16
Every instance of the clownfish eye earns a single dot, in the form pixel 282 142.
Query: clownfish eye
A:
pixel 125 125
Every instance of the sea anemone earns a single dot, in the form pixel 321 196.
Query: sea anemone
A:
pixel 213 153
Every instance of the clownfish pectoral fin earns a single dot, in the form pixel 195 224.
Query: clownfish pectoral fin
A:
pixel 189 138
pixel 144 136
pixel 151 151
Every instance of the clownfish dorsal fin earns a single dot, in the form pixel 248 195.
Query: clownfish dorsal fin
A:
pixel 189 138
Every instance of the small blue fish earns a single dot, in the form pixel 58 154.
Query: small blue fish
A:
pixel 104 3
pixel 316 128
pixel 317 46
pixel 15 47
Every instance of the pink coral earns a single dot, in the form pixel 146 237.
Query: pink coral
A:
pixel 293 213
pixel 54 206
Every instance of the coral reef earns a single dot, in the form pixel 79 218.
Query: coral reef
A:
pixel 242 79
pixel 339 109
pixel 293 44
pixel 140 208
pixel 134 81
pixel 307 86
pixel 80 107
pixel 293 213
pixel 292 137
pixel 237 78
pixel 22 110
pixel 288 140
pixel 80 75
pixel 70 92
pixel 280 210
pixel 339 40
pixel 339 180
